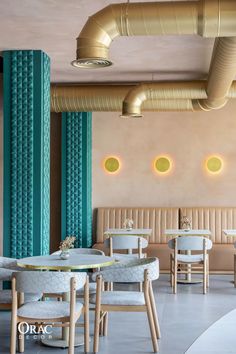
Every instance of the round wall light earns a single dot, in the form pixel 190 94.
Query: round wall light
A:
pixel 214 164
pixel 162 164
pixel 112 164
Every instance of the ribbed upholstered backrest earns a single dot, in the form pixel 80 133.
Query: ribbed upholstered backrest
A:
pixel 157 219
pixel 214 219
pixel 91 251
pixel 190 243
pixel 126 242
pixel 132 271
pixel 47 282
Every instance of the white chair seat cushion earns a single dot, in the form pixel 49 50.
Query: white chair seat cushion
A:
pixel 6 298
pixel 120 298
pixel 92 289
pixel 47 309
pixel 126 257
pixel 193 258
pixel 5 274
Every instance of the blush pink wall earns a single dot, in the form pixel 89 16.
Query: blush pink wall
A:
pixel 187 137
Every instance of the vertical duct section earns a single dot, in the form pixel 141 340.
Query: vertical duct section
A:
pixel 221 75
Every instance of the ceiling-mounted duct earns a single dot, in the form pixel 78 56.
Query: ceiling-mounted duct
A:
pixel 106 98
pixel 208 18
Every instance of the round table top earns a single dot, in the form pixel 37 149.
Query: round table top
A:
pixel 54 262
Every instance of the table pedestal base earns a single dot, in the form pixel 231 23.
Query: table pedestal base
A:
pixel 55 340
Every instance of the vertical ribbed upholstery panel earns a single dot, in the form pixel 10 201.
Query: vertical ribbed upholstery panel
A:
pixel 157 219
pixel 214 219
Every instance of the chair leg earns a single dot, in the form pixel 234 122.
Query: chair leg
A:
pixel 97 315
pixel 175 279
pixel 71 337
pixel 105 324
pixel 101 325
pixel 154 312
pixel 13 334
pixel 140 287
pixel 208 274
pixel 21 342
pixel 151 322
pixel 171 271
pixel 204 276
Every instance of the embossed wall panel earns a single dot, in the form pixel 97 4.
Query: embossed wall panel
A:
pixel 76 177
pixel 26 90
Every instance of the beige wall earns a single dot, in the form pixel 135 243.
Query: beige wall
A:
pixel 187 137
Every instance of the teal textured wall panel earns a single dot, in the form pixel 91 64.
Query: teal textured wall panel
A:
pixel 76 177
pixel 26 90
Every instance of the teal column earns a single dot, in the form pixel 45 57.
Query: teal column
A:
pixel 26 205
pixel 76 177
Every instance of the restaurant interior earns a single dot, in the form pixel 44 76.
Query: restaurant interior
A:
pixel 117 176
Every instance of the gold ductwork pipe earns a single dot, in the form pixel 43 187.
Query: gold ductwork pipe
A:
pixel 156 91
pixel 106 98
pixel 221 75
pixel 169 96
pixel 208 18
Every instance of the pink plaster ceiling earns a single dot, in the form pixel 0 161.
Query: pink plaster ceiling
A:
pixel 53 25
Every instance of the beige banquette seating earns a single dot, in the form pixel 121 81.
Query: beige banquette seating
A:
pixel 159 219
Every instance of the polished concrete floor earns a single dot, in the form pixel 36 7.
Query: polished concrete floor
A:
pixel 183 318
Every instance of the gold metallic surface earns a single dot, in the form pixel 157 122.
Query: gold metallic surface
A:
pixel 173 92
pixel 67 268
pixel 208 18
pixel 107 98
pixel 169 96
pixel 221 74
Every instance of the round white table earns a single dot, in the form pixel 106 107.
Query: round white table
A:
pixel 54 262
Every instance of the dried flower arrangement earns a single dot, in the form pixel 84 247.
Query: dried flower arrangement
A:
pixel 67 243
pixel 128 224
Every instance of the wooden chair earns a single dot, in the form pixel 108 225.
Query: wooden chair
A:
pixel 179 263
pixel 128 243
pixel 235 267
pixel 55 313
pixel 140 270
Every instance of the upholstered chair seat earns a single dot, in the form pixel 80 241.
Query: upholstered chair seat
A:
pixel 92 289
pixel 193 258
pixel 47 309
pixel 132 298
pixel 127 257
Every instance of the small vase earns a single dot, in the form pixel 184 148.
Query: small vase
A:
pixel 65 254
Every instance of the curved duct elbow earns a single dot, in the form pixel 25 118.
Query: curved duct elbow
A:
pixel 209 18
pixel 185 91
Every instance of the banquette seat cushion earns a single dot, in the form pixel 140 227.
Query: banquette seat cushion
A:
pixel 158 219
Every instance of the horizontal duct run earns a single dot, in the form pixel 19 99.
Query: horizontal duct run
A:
pixel 207 18
pixel 171 96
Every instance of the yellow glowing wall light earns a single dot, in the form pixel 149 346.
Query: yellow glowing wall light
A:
pixel 112 164
pixel 214 164
pixel 162 165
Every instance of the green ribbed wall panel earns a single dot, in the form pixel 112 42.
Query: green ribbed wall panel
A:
pixel 26 90
pixel 76 177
